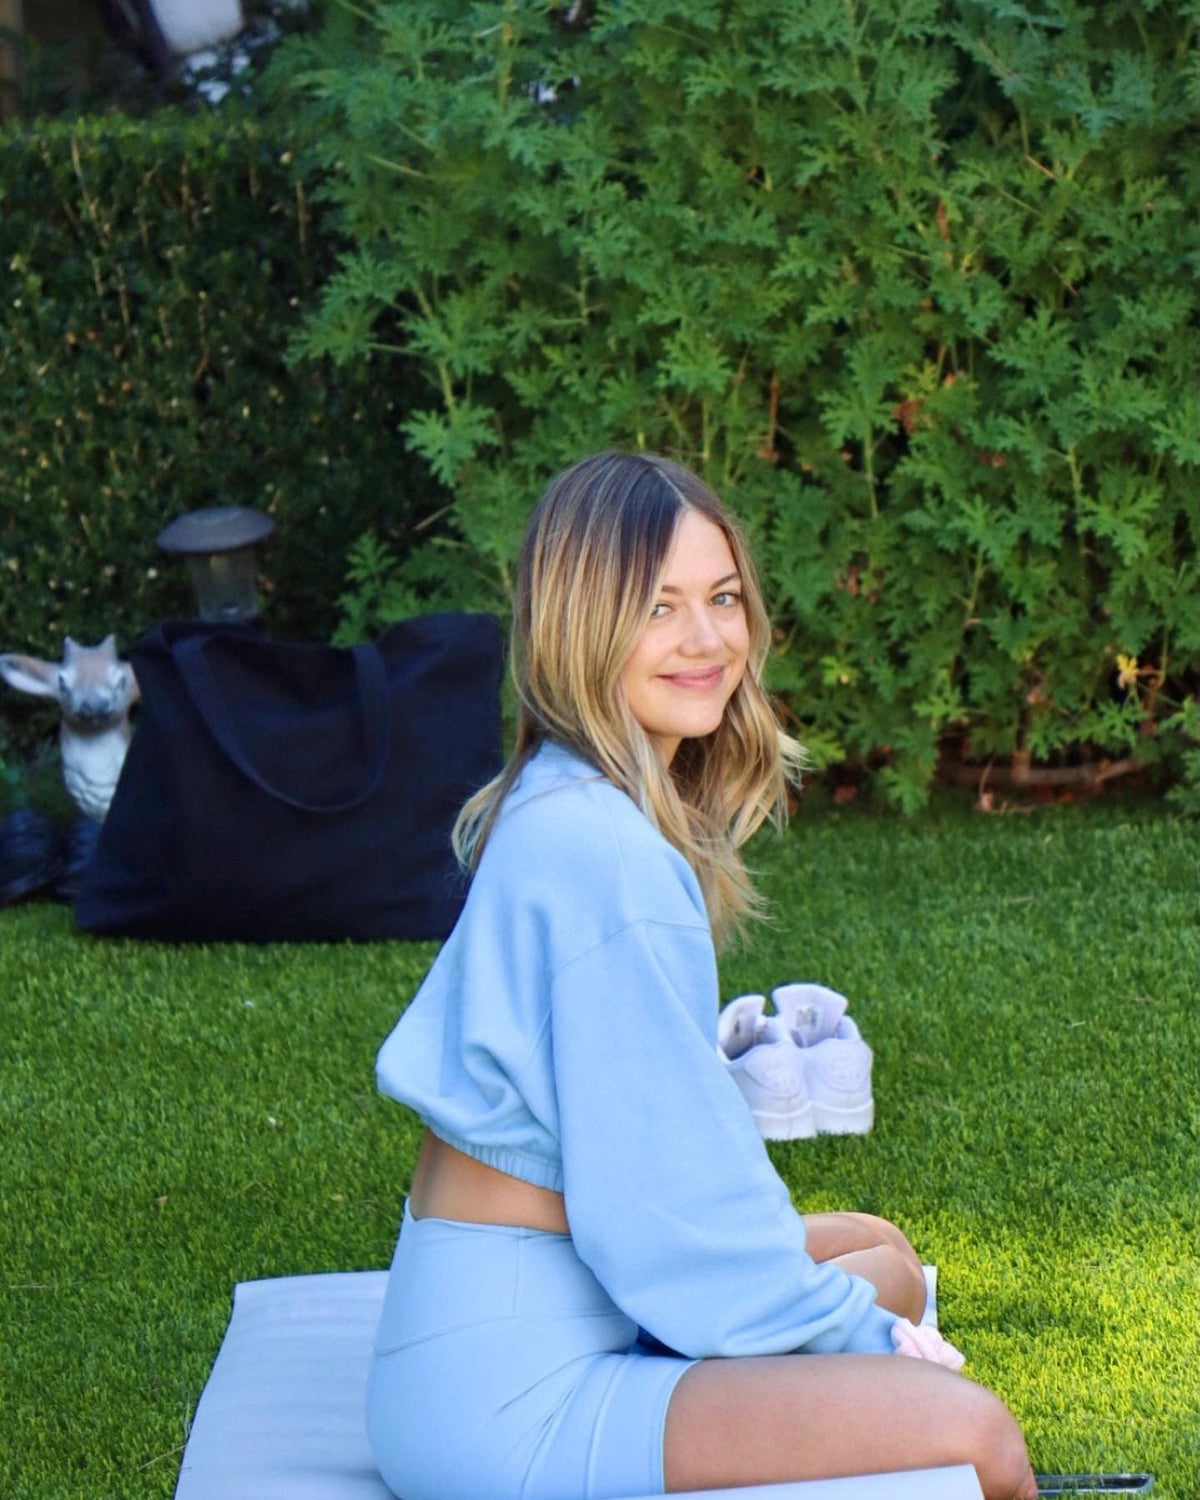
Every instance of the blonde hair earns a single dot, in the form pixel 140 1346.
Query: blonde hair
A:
pixel 590 567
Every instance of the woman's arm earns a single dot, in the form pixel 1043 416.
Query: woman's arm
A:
pixel 671 1197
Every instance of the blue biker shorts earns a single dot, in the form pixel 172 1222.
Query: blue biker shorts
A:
pixel 502 1369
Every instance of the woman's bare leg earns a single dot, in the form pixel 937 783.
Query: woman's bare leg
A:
pixel 865 1245
pixel 815 1416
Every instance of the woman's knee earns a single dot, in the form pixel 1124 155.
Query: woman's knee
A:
pixel 909 1276
pixel 890 1234
pixel 846 1230
pixel 910 1267
pixel 871 1229
pixel 874 1248
pixel 997 1449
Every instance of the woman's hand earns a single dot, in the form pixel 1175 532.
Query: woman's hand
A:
pixel 920 1342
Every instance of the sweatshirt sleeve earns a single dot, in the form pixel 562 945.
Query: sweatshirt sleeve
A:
pixel 670 1194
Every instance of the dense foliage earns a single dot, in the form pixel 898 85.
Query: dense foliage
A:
pixel 152 272
pixel 912 284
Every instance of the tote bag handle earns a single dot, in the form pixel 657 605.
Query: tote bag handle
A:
pixel 374 703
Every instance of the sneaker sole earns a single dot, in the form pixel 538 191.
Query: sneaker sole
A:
pixel 798 1124
pixel 833 1119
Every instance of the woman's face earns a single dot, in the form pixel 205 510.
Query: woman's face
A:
pixel 692 650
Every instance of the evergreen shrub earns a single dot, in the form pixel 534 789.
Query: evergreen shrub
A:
pixel 912 285
pixel 152 273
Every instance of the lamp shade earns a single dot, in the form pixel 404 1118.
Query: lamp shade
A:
pixel 219 544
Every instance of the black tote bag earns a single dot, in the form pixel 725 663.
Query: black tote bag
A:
pixel 288 792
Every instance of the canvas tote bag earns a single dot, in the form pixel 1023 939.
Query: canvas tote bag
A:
pixel 289 792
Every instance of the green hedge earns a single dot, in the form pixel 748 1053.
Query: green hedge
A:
pixel 913 285
pixel 152 272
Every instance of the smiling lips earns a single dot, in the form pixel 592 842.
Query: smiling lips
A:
pixel 702 681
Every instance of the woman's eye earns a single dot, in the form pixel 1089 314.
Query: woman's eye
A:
pixel 659 611
pixel 727 598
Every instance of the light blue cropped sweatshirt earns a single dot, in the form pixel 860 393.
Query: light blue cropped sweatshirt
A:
pixel 566 1034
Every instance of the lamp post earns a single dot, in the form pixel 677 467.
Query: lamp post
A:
pixel 219 545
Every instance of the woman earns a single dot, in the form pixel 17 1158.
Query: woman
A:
pixel 601 1288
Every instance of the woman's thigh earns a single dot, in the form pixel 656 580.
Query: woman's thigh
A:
pixel 778 1418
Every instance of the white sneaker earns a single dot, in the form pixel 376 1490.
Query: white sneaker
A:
pixel 837 1062
pixel 768 1067
pixel 811 1012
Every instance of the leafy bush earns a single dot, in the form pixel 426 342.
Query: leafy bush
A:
pixel 152 273
pixel 911 285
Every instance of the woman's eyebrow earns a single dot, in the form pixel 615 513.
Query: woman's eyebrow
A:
pixel 670 588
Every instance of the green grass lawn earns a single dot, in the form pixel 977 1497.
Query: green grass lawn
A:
pixel 177 1120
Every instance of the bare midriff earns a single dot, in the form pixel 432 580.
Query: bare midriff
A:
pixel 449 1185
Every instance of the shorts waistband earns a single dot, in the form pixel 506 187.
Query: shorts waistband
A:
pixel 517 1231
pixel 448 1274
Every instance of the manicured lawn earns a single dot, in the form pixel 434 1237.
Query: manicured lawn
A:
pixel 176 1120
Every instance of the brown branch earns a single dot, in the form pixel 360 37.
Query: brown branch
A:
pixel 1094 773
pixel 1021 774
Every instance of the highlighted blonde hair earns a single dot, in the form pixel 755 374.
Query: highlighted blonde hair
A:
pixel 589 572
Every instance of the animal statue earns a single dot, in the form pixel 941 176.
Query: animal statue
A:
pixel 95 691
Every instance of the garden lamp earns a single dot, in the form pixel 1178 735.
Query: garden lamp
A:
pixel 219 545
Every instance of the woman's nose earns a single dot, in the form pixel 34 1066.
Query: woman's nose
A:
pixel 701 636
